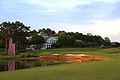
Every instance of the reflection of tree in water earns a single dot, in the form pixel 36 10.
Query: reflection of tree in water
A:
pixel 10 66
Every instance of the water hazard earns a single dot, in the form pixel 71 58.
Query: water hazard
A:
pixel 54 59
pixel 11 65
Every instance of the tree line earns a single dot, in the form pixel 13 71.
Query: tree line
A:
pixel 19 32
pixel 76 39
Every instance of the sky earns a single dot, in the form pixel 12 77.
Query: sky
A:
pixel 99 17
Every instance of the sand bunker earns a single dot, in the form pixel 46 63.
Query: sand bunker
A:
pixel 71 58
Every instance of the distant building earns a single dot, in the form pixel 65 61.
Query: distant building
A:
pixel 50 40
pixel 115 44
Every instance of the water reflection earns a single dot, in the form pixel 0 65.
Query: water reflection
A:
pixel 10 66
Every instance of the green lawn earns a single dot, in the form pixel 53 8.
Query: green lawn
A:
pixel 96 70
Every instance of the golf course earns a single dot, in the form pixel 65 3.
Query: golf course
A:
pixel 91 70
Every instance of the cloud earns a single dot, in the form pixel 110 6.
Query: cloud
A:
pixel 96 16
pixel 63 5
pixel 109 1
pixel 56 4
pixel 110 28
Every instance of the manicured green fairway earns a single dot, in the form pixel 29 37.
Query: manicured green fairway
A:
pixel 96 70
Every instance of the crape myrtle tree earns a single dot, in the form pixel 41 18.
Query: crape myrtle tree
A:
pixel 16 30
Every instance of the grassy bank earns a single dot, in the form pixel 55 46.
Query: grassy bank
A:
pixel 96 70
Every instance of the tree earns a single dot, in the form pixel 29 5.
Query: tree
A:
pixel 16 30
pixel 80 43
pixel 37 39
pixel 2 42
pixel 33 32
pixel 65 39
pixel 107 39
pixel 107 42
pixel 47 31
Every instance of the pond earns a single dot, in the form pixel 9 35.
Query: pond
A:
pixel 55 59
pixel 10 65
